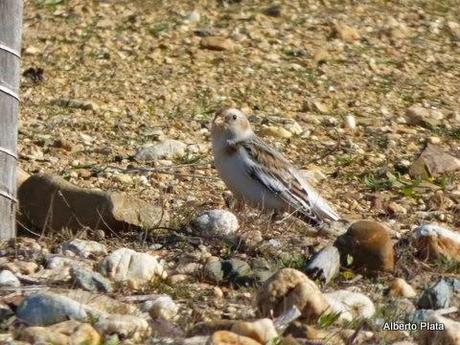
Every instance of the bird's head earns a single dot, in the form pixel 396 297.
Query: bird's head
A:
pixel 232 123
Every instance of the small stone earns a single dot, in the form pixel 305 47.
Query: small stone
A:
pixel 350 122
pixel 435 242
pixel 45 308
pixel 287 288
pixel 8 279
pixel 163 307
pixel 85 249
pixel 346 33
pixel 433 161
pixel 125 326
pixel 294 127
pixel 418 116
pixel 369 245
pixel 400 288
pixel 65 333
pixel 127 265
pixel 23 267
pixel 396 208
pixel 230 338
pixel 166 149
pixel 324 265
pixel 273 11
pixel 434 140
pixel 454 29
pixel 275 131
pixel 437 296
pixel 216 223
pixel 90 281
pixel 124 178
pixel 193 17
pixel 262 330
pixel 350 305
pixel 216 43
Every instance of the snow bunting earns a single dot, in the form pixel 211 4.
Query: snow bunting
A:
pixel 261 176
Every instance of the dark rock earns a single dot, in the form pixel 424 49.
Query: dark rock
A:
pixel 437 296
pixel 90 281
pixel 273 11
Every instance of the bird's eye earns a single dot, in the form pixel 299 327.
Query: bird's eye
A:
pixel 234 117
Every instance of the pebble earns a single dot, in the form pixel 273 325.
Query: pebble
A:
pixel 23 267
pixel 400 288
pixel 135 268
pixel 166 149
pixel 216 43
pixel 8 279
pixel 262 330
pixel 287 288
pixel 275 131
pixel 125 326
pixel 90 281
pixel 46 308
pixel 216 223
pixel 434 241
pixel 85 249
pixel 350 305
pixel 230 338
pixel 193 17
pixel 350 122
pixel 162 307
pixel 437 296
pixel 64 333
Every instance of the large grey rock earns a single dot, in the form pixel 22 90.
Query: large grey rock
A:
pixel 90 281
pixel 168 149
pixel 324 265
pixel 85 249
pixel 45 308
pixel 8 279
pixel 134 268
pixel 216 223
pixel 437 296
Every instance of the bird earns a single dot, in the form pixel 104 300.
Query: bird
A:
pixel 259 175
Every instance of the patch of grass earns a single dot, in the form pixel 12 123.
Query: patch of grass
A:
pixel 292 260
pixel 344 160
pixel 158 28
pixel 178 291
pixel 328 319
pixel 447 265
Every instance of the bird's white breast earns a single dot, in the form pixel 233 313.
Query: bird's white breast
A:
pixel 233 168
